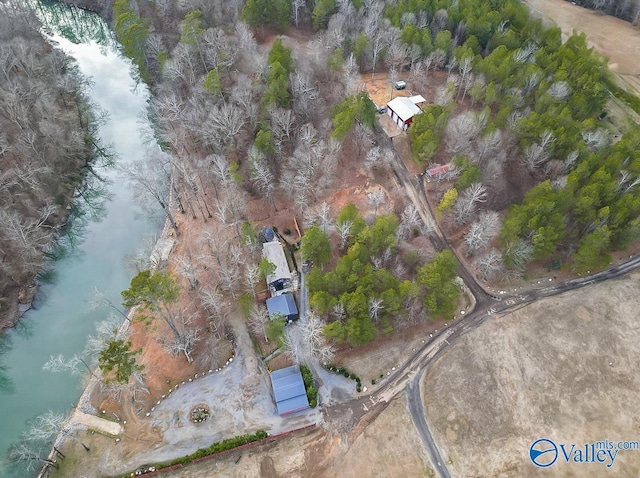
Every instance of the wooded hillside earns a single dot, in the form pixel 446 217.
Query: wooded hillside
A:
pixel 44 146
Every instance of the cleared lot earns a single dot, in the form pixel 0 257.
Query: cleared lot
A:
pixel 564 368
pixel 388 448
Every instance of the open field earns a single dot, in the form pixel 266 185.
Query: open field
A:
pixel 564 368
pixel 616 39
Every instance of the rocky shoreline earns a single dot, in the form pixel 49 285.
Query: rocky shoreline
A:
pixel 20 300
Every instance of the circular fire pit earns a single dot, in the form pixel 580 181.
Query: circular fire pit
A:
pixel 199 413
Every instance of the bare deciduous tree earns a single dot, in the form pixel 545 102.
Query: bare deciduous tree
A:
pixel 261 175
pixel 252 277
pixel 375 307
pixel 151 180
pixel 185 340
pixel 467 203
pixel 489 146
pixel 49 425
pixel 306 343
pixel 376 199
pixel 282 121
pixel 214 302
pixel 560 90
pixel 410 220
pixel 258 320
pixel 489 265
pixel 134 387
pixel 27 456
pixel 100 299
pixel 534 156
pixel 596 139
pixel 482 232
pixel 227 120
pixel 60 363
pixel 187 268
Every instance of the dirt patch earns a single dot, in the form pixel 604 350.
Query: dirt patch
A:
pixel 281 361
pixel 389 447
pixel 379 358
pixel 563 368
pixel 380 88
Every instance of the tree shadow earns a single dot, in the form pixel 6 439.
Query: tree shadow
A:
pixel 6 384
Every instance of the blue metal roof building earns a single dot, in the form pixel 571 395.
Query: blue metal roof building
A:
pixel 289 391
pixel 283 304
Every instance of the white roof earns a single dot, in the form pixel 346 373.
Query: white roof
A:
pixel 274 253
pixel 417 99
pixel 403 107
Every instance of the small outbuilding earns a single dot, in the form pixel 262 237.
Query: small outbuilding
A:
pixel 283 304
pixel 288 390
pixel 402 110
pixel 441 173
pixel 269 234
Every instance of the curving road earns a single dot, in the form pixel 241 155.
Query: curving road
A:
pixel 408 377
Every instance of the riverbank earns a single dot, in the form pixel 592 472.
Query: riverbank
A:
pixel 103 238
pixel 46 149
pixel 85 415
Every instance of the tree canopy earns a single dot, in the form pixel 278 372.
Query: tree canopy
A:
pixel 353 108
pixel 437 278
pixel 316 246
pixel 582 200
pixel 360 293
pixel 118 361
pixel 132 32
pixel 155 292
pixel 269 13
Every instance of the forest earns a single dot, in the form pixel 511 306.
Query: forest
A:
pixel 369 285
pixel 259 109
pixel 46 125
pixel 542 177
pixel 243 116
pixel 531 133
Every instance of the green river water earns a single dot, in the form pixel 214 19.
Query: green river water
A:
pixel 63 318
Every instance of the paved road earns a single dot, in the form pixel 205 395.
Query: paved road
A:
pixel 416 408
pixel 408 376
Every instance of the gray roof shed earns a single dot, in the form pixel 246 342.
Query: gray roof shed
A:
pixel 283 304
pixel 288 390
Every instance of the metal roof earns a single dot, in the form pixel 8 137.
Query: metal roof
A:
pixel 403 107
pixel 288 390
pixel 283 304
pixel 417 99
pixel 268 234
pixel 274 253
pixel 443 168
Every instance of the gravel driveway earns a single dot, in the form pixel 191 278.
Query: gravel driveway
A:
pixel 239 398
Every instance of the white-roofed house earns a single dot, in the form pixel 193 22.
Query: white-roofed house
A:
pixel 279 281
pixel 403 109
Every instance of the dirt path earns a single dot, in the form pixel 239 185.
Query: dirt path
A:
pixel 614 38
pixel 96 423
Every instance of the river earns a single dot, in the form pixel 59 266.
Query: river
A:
pixel 64 318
